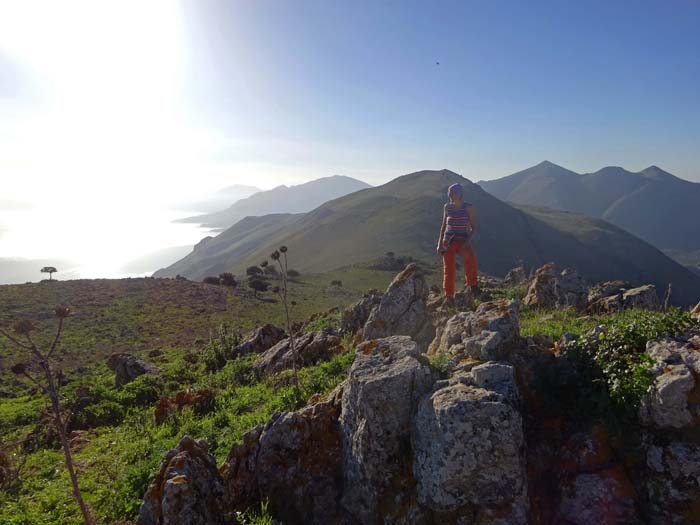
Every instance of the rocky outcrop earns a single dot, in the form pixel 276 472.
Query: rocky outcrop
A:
pixel 403 310
pixel 187 489
pixel 551 288
pixel 469 449
pixel 672 482
pixel 311 348
pixel 515 276
pixel 695 312
pixel 384 385
pixel 294 460
pixel 613 297
pixel 127 367
pixel 672 401
pixel 487 334
pixel 260 339
pixel 354 319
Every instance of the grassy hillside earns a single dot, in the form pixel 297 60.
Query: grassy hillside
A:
pixel 404 216
pixel 651 204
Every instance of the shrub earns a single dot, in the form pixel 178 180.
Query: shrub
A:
pixel 293 273
pixel 337 282
pixel 142 391
pixel 220 349
pixel 211 280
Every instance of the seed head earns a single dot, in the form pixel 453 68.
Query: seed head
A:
pixel 276 289
pixel 275 255
pixel 283 249
pixel 263 264
pixel 62 311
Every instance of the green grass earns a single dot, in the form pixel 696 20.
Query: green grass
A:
pixel 119 461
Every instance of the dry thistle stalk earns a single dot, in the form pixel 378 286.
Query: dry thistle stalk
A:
pixel 48 381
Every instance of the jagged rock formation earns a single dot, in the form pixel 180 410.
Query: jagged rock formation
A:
pixel 695 312
pixel 403 310
pixel 311 348
pixel 295 461
pixel 127 367
pixel 515 276
pixel 354 318
pixel 188 489
pixel 486 439
pixel 260 339
pixel 551 288
pixel 615 296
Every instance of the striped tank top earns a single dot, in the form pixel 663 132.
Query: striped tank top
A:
pixel 457 224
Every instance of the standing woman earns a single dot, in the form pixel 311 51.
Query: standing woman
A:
pixel 458 228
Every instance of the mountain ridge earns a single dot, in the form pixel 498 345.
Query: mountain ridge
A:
pixel 404 215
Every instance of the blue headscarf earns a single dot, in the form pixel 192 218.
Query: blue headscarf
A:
pixel 457 188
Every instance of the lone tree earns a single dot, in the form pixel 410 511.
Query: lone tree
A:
pixel 228 279
pixel 257 285
pixel 50 270
pixel 47 378
pixel 253 270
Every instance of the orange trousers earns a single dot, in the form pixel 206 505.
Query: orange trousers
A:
pixel 450 267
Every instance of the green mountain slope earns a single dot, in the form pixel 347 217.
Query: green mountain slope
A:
pixel 282 199
pixel 404 215
pixel 651 204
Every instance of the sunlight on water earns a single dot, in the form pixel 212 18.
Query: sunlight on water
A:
pixel 103 240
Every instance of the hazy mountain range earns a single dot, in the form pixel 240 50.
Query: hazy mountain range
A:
pixel 218 200
pixel 652 204
pixel 404 215
pixel 282 199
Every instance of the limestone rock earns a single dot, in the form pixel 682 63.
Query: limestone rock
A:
pixel 515 276
pixel 469 449
pixel 676 364
pixel 402 310
pixel 606 289
pixel 384 385
pixel 487 334
pixel 128 367
pixel 354 319
pixel 570 289
pixel 551 288
pixel 294 461
pixel 643 297
pixel 673 483
pixel 541 292
pixel 311 348
pixel 260 339
pixel 187 490
pixel 695 312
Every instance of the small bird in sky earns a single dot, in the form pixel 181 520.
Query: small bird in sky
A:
pixel 437 63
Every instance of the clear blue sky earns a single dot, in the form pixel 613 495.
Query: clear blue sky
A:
pixel 584 84
pixel 270 91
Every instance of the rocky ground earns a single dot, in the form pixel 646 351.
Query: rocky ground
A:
pixel 449 415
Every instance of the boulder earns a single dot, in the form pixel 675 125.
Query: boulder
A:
pixel 606 289
pixel 570 289
pixel 643 297
pixel 403 310
pixel 187 489
pixel 695 312
pixel 487 334
pixel 127 367
pixel 676 364
pixel 541 292
pixel 673 483
pixel 384 385
pixel 294 461
pixel 469 449
pixel 260 339
pixel 354 319
pixel 311 348
pixel 201 401
pixel 515 276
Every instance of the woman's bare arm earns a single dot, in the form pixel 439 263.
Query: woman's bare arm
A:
pixel 442 228
pixel 472 221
